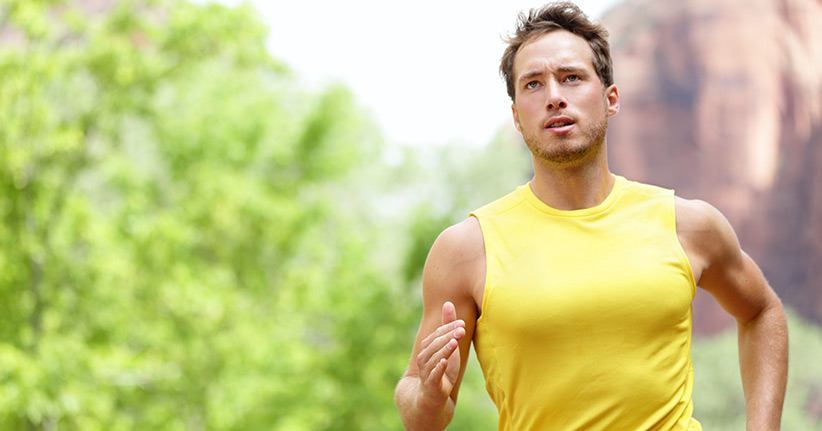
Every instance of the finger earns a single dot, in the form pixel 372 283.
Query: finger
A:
pixel 442 348
pixel 438 365
pixel 449 312
pixel 438 343
pixel 435 377
pixel 442 330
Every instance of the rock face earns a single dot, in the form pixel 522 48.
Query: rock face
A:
pixel 722 101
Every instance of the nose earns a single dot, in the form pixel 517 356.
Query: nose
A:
pixel 554 99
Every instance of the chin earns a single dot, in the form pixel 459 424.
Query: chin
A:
pixel 568 155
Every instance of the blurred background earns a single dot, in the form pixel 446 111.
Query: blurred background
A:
pixel 215 215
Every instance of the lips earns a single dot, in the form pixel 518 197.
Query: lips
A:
pixel 559 124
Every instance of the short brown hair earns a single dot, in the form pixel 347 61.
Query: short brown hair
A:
pixel 558 16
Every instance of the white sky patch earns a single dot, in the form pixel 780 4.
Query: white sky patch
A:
pixel 426 70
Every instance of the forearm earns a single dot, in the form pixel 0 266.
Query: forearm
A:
pixel 763 361
pixel 415 412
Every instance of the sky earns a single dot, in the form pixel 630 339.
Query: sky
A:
pixel 427 71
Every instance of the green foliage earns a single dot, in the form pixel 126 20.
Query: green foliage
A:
pixel 177 254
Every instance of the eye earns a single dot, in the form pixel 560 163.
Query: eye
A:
pixel 531 85
pixel 573 78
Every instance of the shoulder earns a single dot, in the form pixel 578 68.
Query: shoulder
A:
pixel 644 189
pixel 456 262
pixel 459 243
pixel 698 219
pixel 706 235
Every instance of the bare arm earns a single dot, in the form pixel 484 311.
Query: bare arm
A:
pixel 426 395
pixel 735 281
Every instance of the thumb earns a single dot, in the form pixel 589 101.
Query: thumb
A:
pixel 449 312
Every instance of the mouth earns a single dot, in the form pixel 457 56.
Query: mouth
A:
pixel 560 125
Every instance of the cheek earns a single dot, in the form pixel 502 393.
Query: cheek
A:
pixel 529 109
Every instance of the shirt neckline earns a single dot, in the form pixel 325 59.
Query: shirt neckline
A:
pixel 616 190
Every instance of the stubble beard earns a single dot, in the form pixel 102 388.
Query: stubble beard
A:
pixel 566 152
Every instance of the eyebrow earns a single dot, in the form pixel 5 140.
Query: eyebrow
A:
pixel 529 75
pixel 564 69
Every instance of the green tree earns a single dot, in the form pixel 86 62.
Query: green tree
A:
pixel 183 244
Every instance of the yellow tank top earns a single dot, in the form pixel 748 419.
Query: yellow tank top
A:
pixel 586 316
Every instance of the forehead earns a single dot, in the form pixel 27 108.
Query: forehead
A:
pixel 559 48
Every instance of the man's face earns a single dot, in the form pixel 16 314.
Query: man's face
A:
pixel 560 106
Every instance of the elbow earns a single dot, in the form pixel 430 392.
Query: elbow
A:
pixel 771 314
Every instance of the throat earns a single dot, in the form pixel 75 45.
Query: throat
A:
pixel 572 192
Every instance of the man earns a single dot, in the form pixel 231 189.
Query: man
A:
pixel 576 288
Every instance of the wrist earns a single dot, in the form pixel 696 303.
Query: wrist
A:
pixel 437 414
pixel 424 402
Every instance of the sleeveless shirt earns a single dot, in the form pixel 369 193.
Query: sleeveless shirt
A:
pixel 586 320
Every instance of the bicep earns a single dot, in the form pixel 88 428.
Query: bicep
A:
pixel 731 276
pixel 741 289
pixel 449 275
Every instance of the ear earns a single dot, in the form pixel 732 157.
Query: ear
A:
pixel 612 95
pixel 516 117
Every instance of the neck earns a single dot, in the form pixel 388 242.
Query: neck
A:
pixel 572 187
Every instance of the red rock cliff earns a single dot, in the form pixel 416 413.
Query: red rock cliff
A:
pixel 722 100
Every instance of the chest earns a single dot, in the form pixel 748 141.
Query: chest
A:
pixel 600 280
